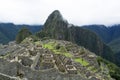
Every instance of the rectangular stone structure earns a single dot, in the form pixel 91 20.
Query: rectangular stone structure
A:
pixel 47 63
pixel 71 69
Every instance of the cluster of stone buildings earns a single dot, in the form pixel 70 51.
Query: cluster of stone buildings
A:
pixel 38 58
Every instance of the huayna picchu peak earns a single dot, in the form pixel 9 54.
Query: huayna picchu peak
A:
pixel 55 15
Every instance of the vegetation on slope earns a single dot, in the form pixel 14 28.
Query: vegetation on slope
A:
pixel 101 30
pixel 8 31
pixel 22 34
pixel 61 50
pixel 81 61
pixel 111 36
pixel 115 45
pixel 106 33
pixel 3 38
pixel 113 69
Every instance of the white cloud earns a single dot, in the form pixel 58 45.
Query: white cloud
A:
pixel 78 12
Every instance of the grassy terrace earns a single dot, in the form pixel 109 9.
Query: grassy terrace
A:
pixel 81 61
pixel 62 50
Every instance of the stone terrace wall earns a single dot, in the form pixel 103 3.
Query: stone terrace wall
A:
pixel 50 74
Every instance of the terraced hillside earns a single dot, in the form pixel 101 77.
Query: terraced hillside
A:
pixel 50 60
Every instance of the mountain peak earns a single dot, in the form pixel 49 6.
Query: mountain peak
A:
pixel 55 16
pixel 56 12
pixel 55 24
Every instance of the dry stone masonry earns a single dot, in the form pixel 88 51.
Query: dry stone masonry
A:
pixel 59 61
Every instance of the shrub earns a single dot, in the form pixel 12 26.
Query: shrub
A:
pixel 22 34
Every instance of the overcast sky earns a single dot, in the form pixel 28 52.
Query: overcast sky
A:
pixel 78 12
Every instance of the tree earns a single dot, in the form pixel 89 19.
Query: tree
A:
pixel 22 34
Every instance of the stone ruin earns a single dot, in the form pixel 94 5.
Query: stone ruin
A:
pixel 26 61
pixel 32 51
pixel 59 63
pixel 41 60
pixel 48 61
pixel 71 69
pixel 64 64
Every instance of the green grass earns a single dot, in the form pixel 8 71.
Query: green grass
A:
pixel 92 68
pixel 48 46
pixel 56 51
pixel 62 50
pixel 68 55
pixel 81 61
pixel 38 42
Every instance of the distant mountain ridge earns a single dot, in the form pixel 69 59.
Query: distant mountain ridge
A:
pixel 106 33
pixel 110 35
pixel 58 28
pixel 8 31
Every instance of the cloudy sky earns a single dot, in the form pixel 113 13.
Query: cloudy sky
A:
pixel 78 12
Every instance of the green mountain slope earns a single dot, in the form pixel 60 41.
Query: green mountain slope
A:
pixel 8 31
pixel 110 35
pixel 106 33
pixel 3 38
pixel 101 30
pixel 115 45
pixel 115 31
